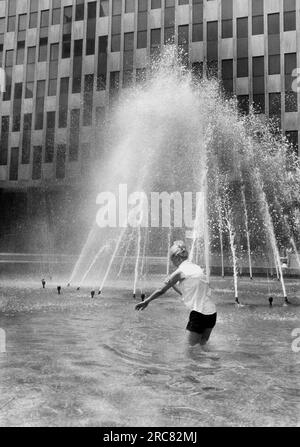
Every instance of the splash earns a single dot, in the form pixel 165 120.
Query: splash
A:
pixel 174 132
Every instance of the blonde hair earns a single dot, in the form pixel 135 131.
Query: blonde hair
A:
pixel 179 250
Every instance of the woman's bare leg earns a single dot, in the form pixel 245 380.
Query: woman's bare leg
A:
pixel 194 338
pixel 205 336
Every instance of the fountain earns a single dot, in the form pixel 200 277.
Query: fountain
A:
pixel 175 131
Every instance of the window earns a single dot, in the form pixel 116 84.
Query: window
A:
pixel 33 20
pixel 116 27
pixel 14 164
pixel 258 75
pixel 63 103
pixel 2 25
pixel 114 83
pixel 129 6
pixel 61 161
pixel 273 24
pixel 291 101
pixel 292 137
pixel 128 55
pixel 26 140
pixel 242 67
pixel 91 28
pixel 226 28
pixel 74 134
pixel 20 53
pixel 197 32
pixel 274 104
pixel 212 31
pixel 258 66
pixel 289 20
pixel 197 70
pixel 242 27
pixel 67 14
pixel 53 69
pixel 66 46
pixel 243 104
pixel 117 7
pixel 77 66
pixel 183 34
pixel 31 53
pixel 88 100
pixel 4 140
pixel 143 6
pixel 155 4
pixel 227 69
pixel 155 40
pixel 79 14
pixel 102 63
pixel 37 163
pixel 257 17
pixel 50 137
pixel 44 19
pixel 227 75
pixel 56 15
pixel 259 103
pixel 43 49
pixel 274 64
pixel 142 39
pixel 11 24
pixel 17 105
pixel 9 60
pixel 169 35
pixel 257 25
pixel 50 120
pixel 39 110
pixel 104 8
pixel 22 22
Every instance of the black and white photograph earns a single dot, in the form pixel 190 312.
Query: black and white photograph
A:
pixel 149 217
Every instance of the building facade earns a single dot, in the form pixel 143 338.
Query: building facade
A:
pixel 64 59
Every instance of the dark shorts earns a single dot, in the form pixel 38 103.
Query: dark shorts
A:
pixel 199 322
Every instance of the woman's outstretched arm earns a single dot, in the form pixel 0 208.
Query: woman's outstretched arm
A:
pixel 173 280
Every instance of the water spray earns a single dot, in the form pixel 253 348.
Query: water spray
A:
pixel 247 230
pixel 83 253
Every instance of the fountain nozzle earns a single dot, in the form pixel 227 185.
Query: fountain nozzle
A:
pixel 271 301
pixel 99 292
pixel 286 301
pixel 237 300
pixel 143 296
pixel 58 289
pixel 43 283
pixel 134 296
pixel 92 293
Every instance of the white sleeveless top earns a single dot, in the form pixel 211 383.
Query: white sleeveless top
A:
pixel 194 288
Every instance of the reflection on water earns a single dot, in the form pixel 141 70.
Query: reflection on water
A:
pixel 74 361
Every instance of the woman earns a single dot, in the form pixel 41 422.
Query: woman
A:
pixel 195 293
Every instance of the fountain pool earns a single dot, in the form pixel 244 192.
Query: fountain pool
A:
pixel 74 361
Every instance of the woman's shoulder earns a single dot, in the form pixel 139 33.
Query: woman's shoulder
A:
pixel 190 267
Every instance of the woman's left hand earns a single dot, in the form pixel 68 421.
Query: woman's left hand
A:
pixel 141 306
